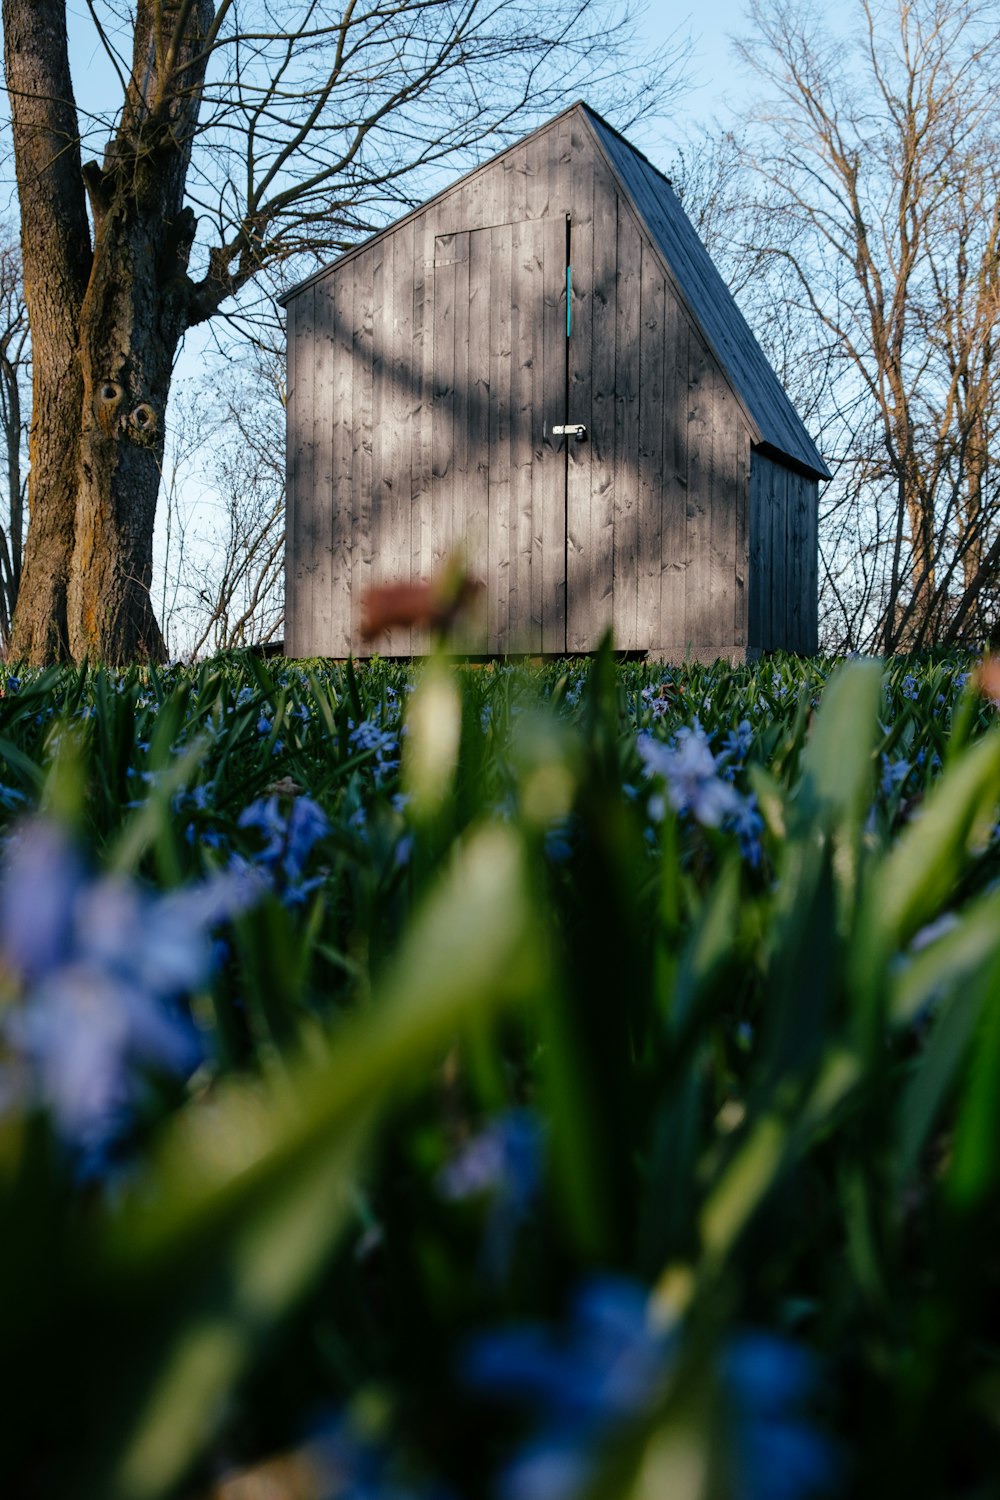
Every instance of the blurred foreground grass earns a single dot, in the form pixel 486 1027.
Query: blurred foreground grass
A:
pixel 579 1081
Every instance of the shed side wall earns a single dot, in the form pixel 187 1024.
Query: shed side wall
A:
pixel 783 558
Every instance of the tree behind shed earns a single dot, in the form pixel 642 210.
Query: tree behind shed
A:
pixel 439 374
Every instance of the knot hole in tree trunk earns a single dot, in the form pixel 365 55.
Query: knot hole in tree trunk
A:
pixel 144 423
pixel 110 395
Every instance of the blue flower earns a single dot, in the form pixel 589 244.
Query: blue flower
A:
pixel 604 1368
pixel 608 1368
pixel 776 1453
pixel 289 840
pixel 694 786
pixel 98 965
pixel 736 745
pixel 894 774
pixel 655 698
pixel 748 825
pixel 382 744
pixel 691 774
pixel 911 687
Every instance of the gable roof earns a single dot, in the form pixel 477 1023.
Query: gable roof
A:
pixel 690 267
pixel 709 299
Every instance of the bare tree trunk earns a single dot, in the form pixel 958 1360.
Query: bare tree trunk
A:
pixel 106 321
pixel 130 329
pixel 55 240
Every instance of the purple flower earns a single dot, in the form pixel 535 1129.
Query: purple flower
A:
pixel 504 1162
pixel 655 699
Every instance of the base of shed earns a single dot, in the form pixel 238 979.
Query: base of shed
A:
pixel 676 656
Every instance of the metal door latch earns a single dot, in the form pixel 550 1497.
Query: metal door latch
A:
pixel 576 429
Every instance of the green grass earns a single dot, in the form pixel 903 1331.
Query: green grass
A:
pixel 747 1015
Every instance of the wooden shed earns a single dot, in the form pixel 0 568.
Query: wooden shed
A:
pixel 438 376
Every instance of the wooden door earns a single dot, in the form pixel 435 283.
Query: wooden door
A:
pixel 499 388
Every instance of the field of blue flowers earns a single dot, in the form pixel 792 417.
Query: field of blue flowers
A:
pixel 567 1082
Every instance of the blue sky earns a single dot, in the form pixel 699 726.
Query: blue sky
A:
pixel 717 80
pixel 714 73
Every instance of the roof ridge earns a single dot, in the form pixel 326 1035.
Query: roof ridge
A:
pixel 613 130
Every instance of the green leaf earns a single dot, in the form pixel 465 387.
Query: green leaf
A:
pixel 952 959
pixel 975 1166
pixel 920 873
pixel 837 764
pixel 940 1063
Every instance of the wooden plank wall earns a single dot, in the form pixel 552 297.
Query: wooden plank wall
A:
pixel 423 419
pixel 293 478
pixel 671 471
pixel 783 558
pixel 432 368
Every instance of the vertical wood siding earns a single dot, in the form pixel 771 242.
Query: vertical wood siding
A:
pixel 293 478
pixel 783 558
pixel 426 372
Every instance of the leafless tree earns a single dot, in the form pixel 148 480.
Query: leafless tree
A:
pixel 15 361
pixel 880 165
pixel 222 549
pixel 242 136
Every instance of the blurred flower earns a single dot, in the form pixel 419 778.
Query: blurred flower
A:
pixel 503 1162
pixel 584 1380
pixel 97 966
pixel 986 679
pixel 736 745
pixel 691 775
pixel 592 1380
pixel 775 1451
pixel 748 825
pixel 942 925
pixel 894 774
pixel 432 606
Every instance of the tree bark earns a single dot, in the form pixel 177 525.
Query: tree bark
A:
pixel 55 239
pixel 106 321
